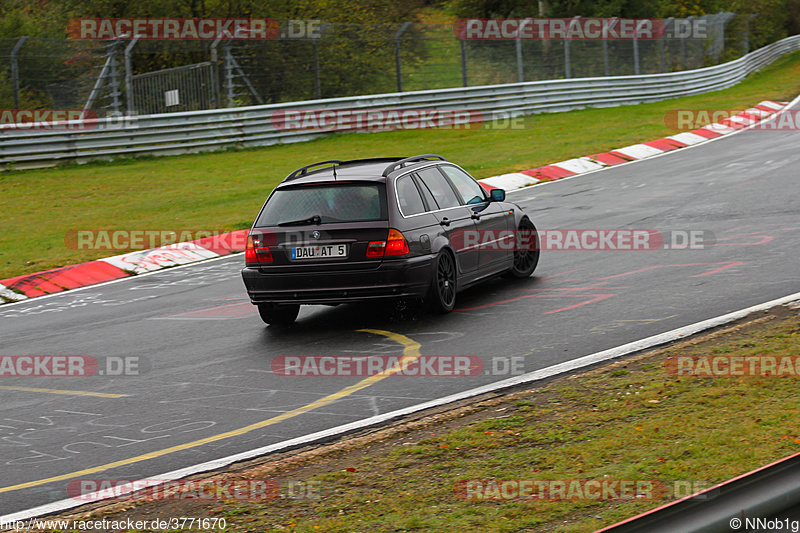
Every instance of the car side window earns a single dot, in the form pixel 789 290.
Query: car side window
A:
pixel 439 188
pixel 408 197
pixel 426 195
pixel 470 190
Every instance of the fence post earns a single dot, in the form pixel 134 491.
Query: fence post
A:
pixel 567 65
pixel 228 73
pixel 662 44
pixel 746 37
pixel 397 55
pixel 116 104
pixel 684 60
pixel 215 72
pixel 129 77
pixel 463 63
pixel 636 66
pixel 15 68
pixel 605 48
pixel 317 82
pixel 109 66
pixel 520 70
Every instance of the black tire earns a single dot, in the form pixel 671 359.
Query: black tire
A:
pixel 526 251
pixel 278 314
pixel 442 292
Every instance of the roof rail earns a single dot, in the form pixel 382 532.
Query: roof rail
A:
pixel 300 172
pixel 399 164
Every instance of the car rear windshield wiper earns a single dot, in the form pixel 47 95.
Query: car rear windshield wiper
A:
pixel 316 219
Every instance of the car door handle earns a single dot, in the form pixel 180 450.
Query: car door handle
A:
pixel 445 221
pixel 476 216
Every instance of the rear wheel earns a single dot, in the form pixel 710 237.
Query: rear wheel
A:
pixel 278 314
pixel 442 292
pixel 526 251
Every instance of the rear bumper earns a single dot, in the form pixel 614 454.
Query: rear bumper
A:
pixel 403 278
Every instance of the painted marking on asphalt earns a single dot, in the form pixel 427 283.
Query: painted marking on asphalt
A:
pixel 597 297
pixel 217 312
pixel 567 292
pixel 410 353
pixel 69 392
pixel 723 265
pixel 591 299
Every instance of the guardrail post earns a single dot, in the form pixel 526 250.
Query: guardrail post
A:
pixel 15 68
pixel 463 63
pixel 398 63
pixel 129 77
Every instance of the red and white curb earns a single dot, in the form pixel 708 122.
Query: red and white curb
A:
pixel 634 152
pixel 70 277
pixel 110 268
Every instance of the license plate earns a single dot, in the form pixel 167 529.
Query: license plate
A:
pixel 320 251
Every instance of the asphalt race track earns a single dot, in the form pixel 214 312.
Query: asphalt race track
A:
pixel 205 356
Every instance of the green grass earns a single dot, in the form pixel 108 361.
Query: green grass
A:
pixel 223 191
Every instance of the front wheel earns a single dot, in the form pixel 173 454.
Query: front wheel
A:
pixel 442 292
pixel 526 251
pixel 278 314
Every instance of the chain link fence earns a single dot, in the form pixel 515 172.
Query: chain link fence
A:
pixel 136 77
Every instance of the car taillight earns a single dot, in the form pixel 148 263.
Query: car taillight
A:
pixel 256 251
pixel 395 244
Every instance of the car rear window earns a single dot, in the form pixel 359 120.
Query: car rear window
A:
pixel 330 202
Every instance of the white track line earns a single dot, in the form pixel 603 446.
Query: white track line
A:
pixel 537 375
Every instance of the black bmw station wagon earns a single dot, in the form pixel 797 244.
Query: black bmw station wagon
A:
pixel 345 231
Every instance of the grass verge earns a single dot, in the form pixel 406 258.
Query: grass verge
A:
pixel 223 191
pixel 628 420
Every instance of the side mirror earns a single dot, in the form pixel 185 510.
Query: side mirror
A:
pixel 498 195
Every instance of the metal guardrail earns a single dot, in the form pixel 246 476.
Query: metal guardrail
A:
pixel 179 133
pixel 724 508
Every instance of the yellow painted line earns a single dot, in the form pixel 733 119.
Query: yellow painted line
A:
pixel 410 354
pixel 70 392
